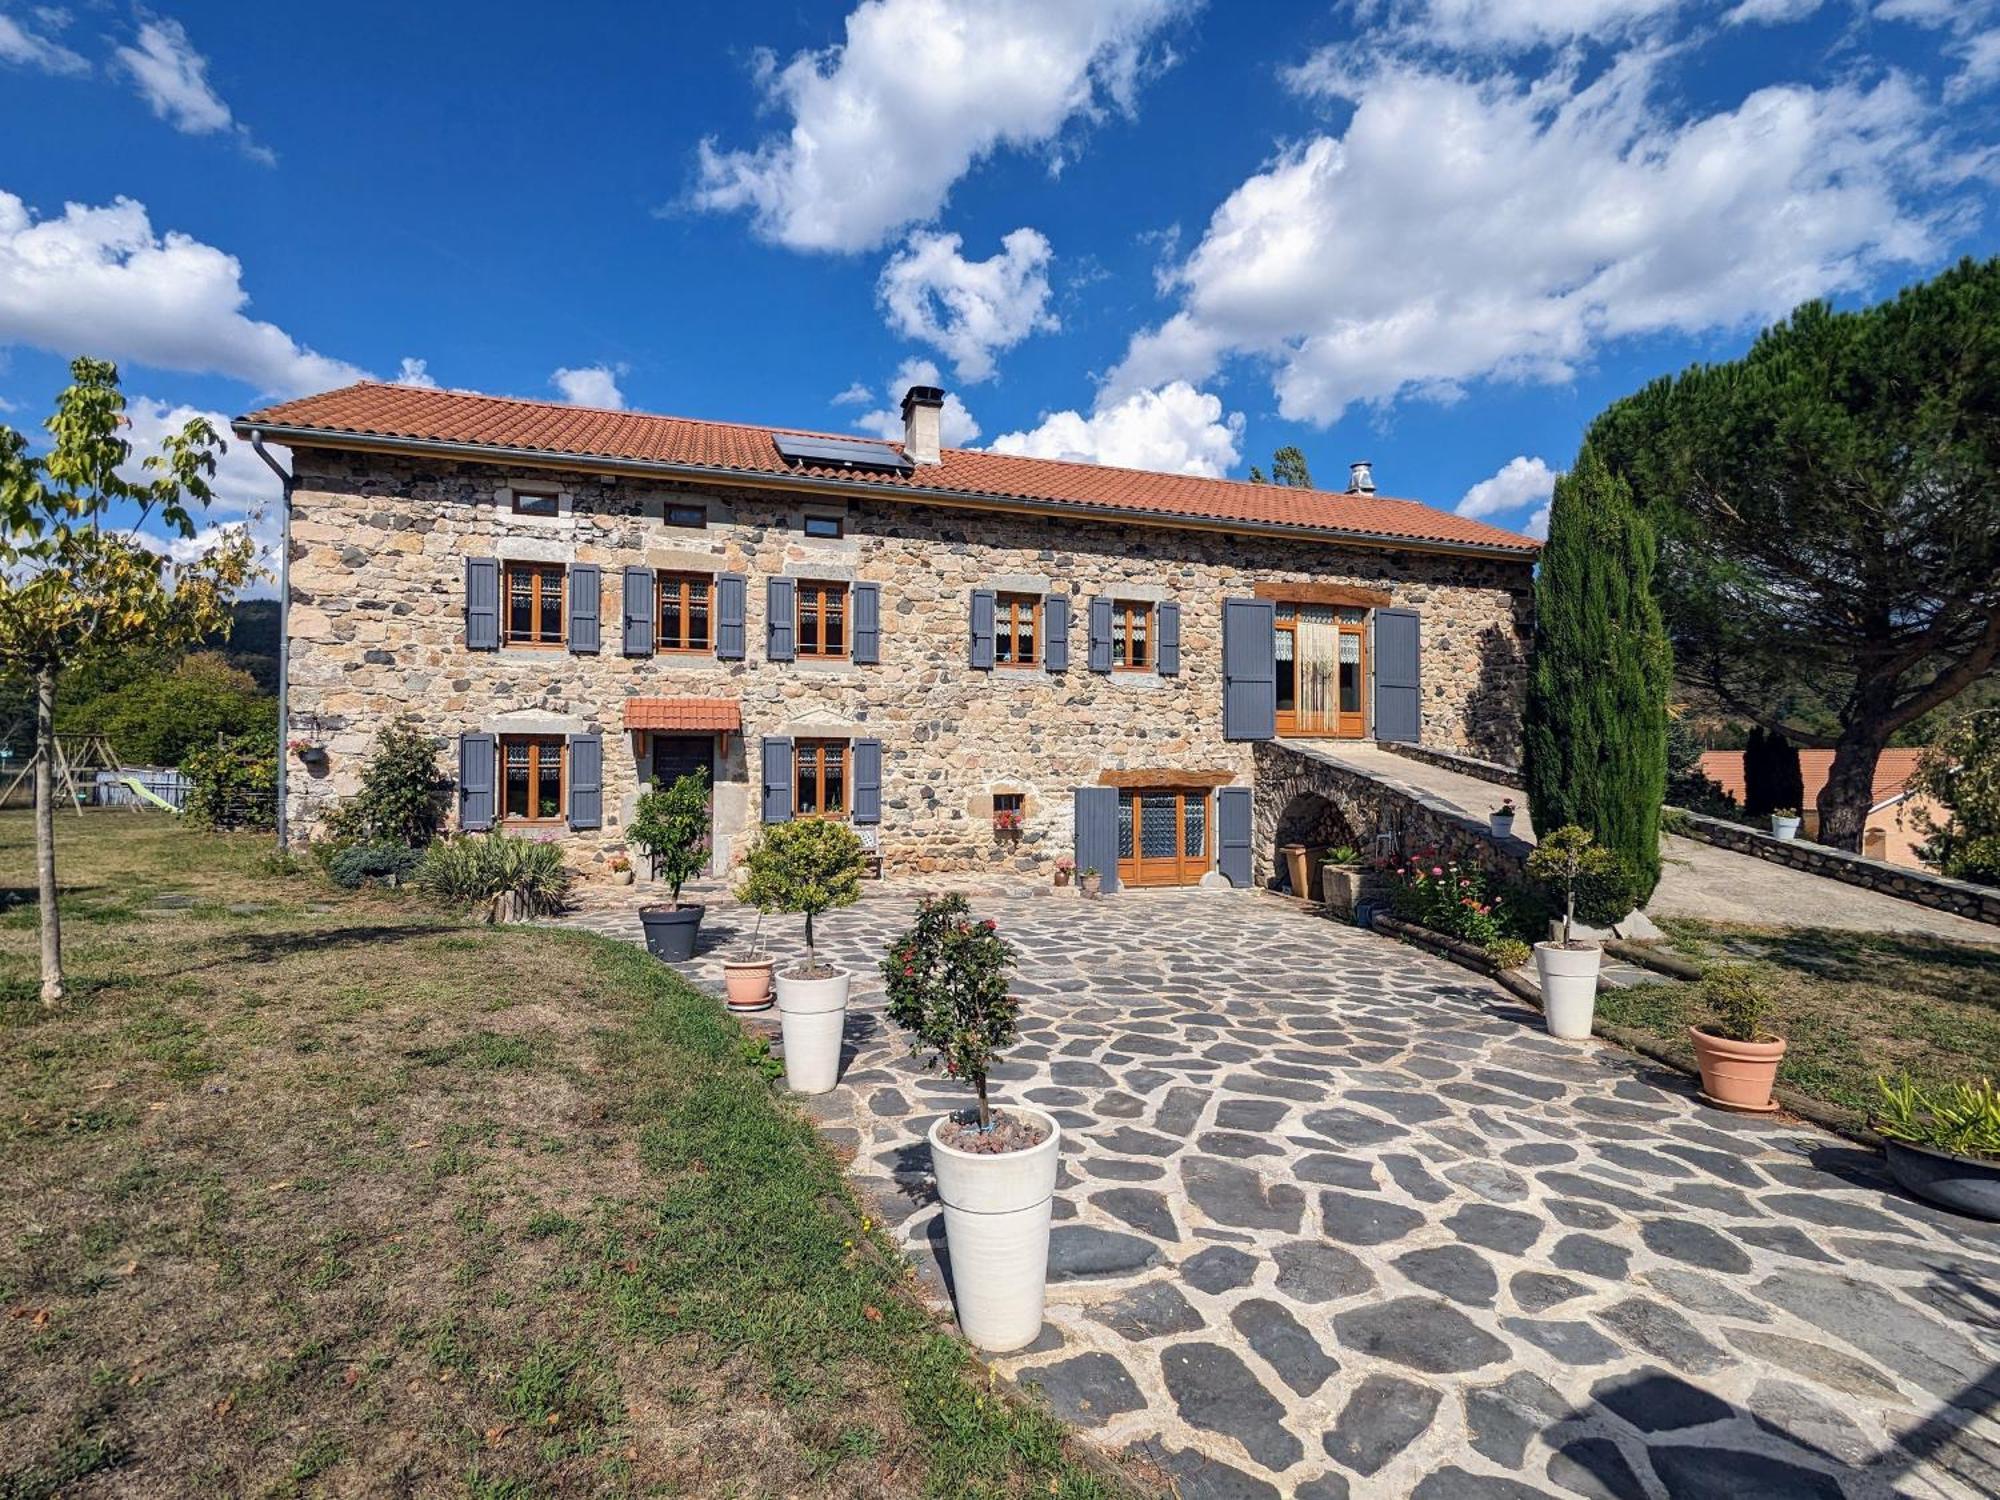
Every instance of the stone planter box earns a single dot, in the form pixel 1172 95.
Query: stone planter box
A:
pixel 1345 887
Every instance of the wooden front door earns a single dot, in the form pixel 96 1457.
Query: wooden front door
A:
pixel 1164 837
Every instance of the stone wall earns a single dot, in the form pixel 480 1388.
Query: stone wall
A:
pixel 1373 808
pixel 1469 765
pixel 1980 903
pixel 376 630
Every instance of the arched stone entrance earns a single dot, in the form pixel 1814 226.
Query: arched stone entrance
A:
pixel 1312 820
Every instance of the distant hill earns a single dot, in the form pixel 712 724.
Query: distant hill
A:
pixel 252 641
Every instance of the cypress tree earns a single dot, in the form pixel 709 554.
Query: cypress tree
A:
pixel 1595 732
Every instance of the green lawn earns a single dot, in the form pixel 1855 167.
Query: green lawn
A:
pixel 328 1194
pixel 1852 1005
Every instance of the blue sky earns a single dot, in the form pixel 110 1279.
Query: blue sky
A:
pixel 1438 234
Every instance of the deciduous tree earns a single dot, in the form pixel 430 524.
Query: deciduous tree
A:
pixel 78 579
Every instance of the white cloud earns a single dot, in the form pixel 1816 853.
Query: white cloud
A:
pixel 1537 525
pixel 883 123
pixel 1520 481
pixel 415 372
pixel 856 394
pixel 172 77
pixel 1972 36
pixel 1770 12
pixel 1466 229
pixel 1175 429
pixel 100 281
pixel 247 493
pixel 1502 25
pixel 22 45
pixel 968 309
pixel 590 385
pixel 956 427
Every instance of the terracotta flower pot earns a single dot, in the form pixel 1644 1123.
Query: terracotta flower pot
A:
pixel 1090 885
pixel 747 982
pixel 1737 1075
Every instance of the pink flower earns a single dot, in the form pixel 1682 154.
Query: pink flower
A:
pixel 1436 871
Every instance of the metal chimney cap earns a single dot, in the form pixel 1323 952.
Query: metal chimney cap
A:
pixel 1361 478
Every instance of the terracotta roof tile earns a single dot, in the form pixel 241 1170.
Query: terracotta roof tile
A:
pixel 411 413
pixel 697 715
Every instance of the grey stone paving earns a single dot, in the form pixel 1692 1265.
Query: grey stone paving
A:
pixel 1336 1218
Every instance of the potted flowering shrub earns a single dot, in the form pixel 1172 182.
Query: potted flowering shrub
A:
pixel 996 1169
pixel 1943 1144
pixel 1089 883
pixel 1567 966
pixel 1735 1049
pixel 1785 822
pixel 1065 867
pixel 670 828
pixel 311 752
pixel 808 867
pixel 621 870
pixel 1007 824
pixel 1502 820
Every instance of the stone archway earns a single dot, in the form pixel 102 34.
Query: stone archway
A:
pixel 1311 819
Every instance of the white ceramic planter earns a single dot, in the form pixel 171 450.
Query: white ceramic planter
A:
pixel 1569 988
pixel 1502 825
pixel 996 1222
pixel 813 1013
pixel 1785 828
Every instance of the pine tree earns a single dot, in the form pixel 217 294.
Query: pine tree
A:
pixel 1596 723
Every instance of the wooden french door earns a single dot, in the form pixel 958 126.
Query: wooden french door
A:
pixel 1322 662
pixel 1164 837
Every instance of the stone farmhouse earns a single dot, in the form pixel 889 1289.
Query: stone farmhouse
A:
pixel 980 661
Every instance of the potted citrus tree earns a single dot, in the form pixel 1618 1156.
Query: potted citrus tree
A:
pixel 808 867
pixel 670 827
pixel 996 1169
pixel 1735 1049
pixel 1944 1143
pixel 1567 966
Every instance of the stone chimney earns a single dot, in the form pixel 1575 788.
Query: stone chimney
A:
pixel 923 423
pixel 1360 476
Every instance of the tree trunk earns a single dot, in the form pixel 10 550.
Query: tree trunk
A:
pixel 45 834
pixel 1850 786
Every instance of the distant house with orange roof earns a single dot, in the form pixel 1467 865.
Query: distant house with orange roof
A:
pixel 1893 832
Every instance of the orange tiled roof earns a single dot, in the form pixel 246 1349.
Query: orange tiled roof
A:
pixel 697 715
pixel 467 419
pixel 1892 771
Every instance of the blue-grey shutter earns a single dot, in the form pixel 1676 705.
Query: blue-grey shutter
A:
pixel 1169 655
pixel 1398 701
pixel 638 611
pixel 867 781
pixel 777 780
pixel 731 606
pixel 781 621
pixel 1100 635
pixel 1097 833
pixel 1249 669
pixel 1232 835
pixel 1055 632
pixel 586 781
pixel 585 589
pixel 477 764
pixel 482 604
pixel 982 630
pixel 867 623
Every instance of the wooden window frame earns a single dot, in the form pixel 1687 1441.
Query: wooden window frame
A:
pixel 818 752
pixel 838 523
pixel 1339 725
pixel 1008 613
pixel 1129 610
pixel 679 581
pixel 813 647
pixel 699 512
pixel 542 573
pixel 553 498
pixel 536 743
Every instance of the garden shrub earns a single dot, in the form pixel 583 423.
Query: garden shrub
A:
pixel 402 797
pixel 234 784
pixel 479 867
pixel 1445 895
pixel 1738 1002
pixel 359 863
pixel 1960 771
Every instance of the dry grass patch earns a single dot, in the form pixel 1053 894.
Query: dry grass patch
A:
pixel 328 1194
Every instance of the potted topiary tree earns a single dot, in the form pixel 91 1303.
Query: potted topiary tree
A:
pixel 996 1169
pixel 808 867
pixel 670 827
pixel 1568 966
pixel 1735 1049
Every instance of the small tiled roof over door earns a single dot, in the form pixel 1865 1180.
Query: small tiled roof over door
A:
pixel 689 715
pixel 375 415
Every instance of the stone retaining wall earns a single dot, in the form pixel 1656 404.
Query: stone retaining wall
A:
pixel 1447 760
pixel 1980 903
pixel 1370 806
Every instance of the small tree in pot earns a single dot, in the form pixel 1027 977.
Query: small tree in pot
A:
pixel 996 1170
pixel 1737 1052
pixel 746 973
pixel 1568 859
pixel 809 867
pixel 670 827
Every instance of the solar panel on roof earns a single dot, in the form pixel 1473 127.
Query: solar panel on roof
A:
pixel 839 453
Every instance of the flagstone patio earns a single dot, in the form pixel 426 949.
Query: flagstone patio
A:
pixel 1337 1218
